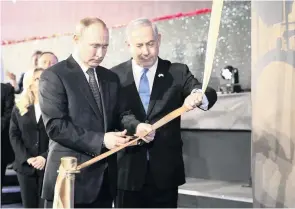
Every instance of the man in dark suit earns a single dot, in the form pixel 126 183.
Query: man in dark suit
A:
pixel 80 107
pixel 7 103
pixel 149 174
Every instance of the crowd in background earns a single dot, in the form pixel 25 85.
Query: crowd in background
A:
pixel 22 135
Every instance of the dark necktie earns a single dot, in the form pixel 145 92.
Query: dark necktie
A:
pixel 94 88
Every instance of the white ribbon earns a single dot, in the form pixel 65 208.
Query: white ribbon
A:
pixel 212 41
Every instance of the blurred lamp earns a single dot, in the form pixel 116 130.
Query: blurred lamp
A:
pixel 231 77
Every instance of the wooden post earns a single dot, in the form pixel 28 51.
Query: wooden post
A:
pixel 65 183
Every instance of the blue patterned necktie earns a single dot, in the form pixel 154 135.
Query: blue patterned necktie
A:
pixel 144 93
pixel 144 90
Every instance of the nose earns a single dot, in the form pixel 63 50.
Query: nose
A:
pixel 99 52
pixel 45 65
pixel 48 64
pixel 145 50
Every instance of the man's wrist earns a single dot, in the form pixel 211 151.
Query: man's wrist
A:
pixel 196 91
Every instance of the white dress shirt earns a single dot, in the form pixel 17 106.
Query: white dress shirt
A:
pixel 37 112
pixel 84 67
pixel 138 71
pixel 205 102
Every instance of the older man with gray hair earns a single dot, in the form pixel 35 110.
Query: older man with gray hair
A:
pixel 151 171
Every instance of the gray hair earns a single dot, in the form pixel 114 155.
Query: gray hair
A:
pixel 141 22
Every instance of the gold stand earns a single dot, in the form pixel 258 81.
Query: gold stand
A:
pixel 65 183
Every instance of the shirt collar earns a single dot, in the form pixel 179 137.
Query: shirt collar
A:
pixel 138 70
pixel 80 63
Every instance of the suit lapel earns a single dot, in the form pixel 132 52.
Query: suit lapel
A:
pixel 80 79
pixel 132 90
pixel 160 85
pixel 105 95
pixel 31 116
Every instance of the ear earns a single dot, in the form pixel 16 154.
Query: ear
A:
pixel 159 39
pixel 127 43
pixel 76 38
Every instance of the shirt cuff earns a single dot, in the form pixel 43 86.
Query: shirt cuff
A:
pixel 205 102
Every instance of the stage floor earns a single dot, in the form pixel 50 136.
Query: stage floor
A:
pixel 216 189
pixel 196 188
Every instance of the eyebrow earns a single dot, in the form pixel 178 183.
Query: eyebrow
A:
pixel 151 41
pixel 97 44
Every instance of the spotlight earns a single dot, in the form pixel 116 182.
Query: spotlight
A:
pixel 230 75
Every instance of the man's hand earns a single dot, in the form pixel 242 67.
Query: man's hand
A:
pixel 38 162
pixel 114 139
pixel 11 76
pixel 30 160
pixel 193 100
pixel 12 79
pixel 144 128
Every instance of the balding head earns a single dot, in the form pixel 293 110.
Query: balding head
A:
pixel 91 39
pixel 86 22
